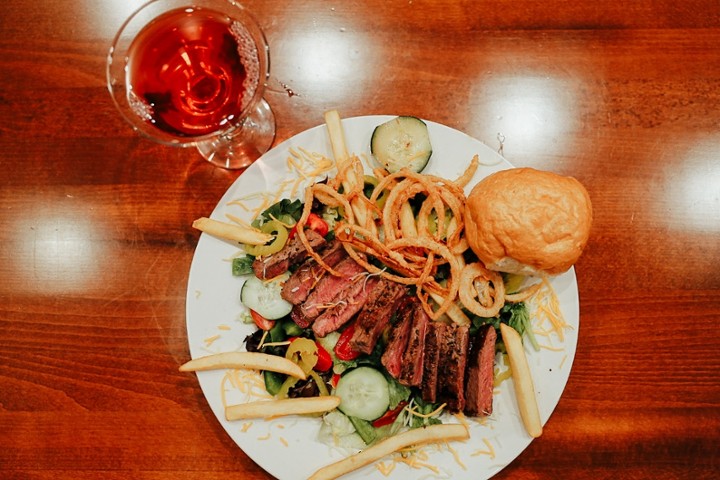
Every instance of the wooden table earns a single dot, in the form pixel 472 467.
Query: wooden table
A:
pixel 96 238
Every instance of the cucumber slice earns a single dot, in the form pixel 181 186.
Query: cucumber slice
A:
pixel 363 393
pixel 402 142
pixel 264 298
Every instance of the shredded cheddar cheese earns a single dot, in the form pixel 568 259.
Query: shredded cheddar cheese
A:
pixel 562 362
pixel 416 461
pixel 490 447
pixel 276 344
pixel 419 458
pixel 284 224
pixel 456 456
pixel 237 220
pixel 553 349
pixel 483 420
pixel 262 340
pixel 462 419
pixel 385 468
pixel 501 377
pixel 249 383
pixel 502 371
pixel 414 411
pixel 489 452
pixel 546 310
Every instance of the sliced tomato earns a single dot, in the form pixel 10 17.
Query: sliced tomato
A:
pixel 389 416
pixel 343 350
pixel 314 222
pixel 262 322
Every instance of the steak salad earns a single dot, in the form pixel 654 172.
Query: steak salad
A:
pixel 394 366
pixel 382 301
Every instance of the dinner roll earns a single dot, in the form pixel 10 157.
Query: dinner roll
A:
pixel 528 221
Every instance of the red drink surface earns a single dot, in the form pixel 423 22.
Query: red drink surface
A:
pixel 188 75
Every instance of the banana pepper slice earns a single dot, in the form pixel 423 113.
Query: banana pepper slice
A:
pixel 280 233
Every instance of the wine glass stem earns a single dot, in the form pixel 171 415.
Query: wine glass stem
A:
pixel 240 147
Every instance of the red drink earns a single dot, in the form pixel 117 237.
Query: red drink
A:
pixel 191 71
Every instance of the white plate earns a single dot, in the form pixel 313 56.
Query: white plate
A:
pixel 287 448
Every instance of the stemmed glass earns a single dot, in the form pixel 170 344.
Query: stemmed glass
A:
pixel 193 73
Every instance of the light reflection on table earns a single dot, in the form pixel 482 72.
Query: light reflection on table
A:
pixel 692 198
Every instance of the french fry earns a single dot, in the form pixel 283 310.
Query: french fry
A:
pixel 244 360
pixel 408 227
pixel 230 231
pixel 337 136
pixel 340 152
pixel 277 408
pixel 417 436
pixel 522 380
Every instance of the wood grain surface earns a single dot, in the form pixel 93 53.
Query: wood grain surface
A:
pixel 96 238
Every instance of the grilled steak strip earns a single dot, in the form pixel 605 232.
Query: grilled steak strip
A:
pixel 451 374
pixel 431 360
pixel 293 252
pixel 327 289
pixel 375 315
pixel 300 320
pixel 297 288
pixel 411 370
pixel 348 302
pixel 392 358
pixel 480 374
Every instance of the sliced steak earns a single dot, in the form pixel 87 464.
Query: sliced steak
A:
pixel 451 374
pixel 392 358
pixel 431 360
pixel 480 375
pixel 297 288
pixel 376 314
pixel 411 370
pixel 327 289
pixel 299 317
pixel 347 303
pixel 270 266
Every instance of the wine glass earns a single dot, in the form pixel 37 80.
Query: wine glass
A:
pixel 193 73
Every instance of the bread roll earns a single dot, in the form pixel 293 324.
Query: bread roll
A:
pixel 528 221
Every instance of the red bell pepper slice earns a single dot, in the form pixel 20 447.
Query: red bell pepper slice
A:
pixel 324 361
pixel 389 416
pixel 343 350
pixel 262 322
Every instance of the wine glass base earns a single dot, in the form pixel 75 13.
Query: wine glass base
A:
pixel 240 147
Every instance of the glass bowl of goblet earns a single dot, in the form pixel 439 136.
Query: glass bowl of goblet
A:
pixel 193 73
